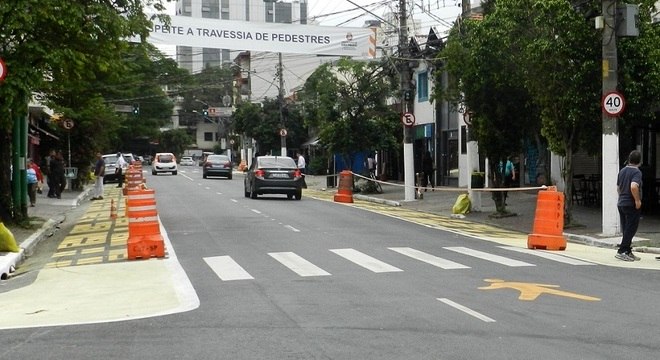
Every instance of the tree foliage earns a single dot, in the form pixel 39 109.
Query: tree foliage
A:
pixel 48 43
pixel 347 103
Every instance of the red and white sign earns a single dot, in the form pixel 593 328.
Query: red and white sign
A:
pixel 408 119
pixel 67 124
pixel 283 132
pixel 3 70
pixel 613 103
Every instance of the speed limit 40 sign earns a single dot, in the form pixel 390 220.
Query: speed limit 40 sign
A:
pixel 613 103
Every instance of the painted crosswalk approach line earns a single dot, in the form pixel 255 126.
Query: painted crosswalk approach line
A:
pixel 489 257
pixel 365 260
pixel 466 310
pixel 227 269
pixel 429 259
pixel 298 265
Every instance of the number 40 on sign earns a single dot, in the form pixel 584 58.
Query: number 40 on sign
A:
pixel 613 103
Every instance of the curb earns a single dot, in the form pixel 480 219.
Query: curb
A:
pixel 10 261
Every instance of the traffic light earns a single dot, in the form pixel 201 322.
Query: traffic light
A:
pixel 205 111
pixel 136 109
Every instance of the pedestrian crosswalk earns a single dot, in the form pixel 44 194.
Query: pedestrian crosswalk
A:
pixel 227 269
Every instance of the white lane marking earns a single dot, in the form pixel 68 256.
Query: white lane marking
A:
pixel 188 177
pixel 233 200
pixel 298 265
pixel 466 310
pixel 255 211
pixel 365 260
pixel 548 255
pixel 291 228
pixel 490 257
pixel 219 193
pixel 429 259
pixel 207 188
pixel 227 269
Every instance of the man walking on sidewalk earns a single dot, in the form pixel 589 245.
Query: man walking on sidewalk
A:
pixel 99 172
pixel 629 187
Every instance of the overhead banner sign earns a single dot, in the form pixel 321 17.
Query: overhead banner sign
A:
pixel 270 37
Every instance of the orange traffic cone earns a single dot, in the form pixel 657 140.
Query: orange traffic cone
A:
pixel 345 192
pixel 547 233
pixel 113 209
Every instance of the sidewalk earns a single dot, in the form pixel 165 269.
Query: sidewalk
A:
pixel 47 215
pixel 587 228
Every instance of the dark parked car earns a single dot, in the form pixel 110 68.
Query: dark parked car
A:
pixel 217 165
pixel 274 175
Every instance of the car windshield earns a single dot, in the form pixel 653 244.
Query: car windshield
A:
pixel 217 158
pixel 277 162
pixel 110 159
pixel 165 158
pixel 186 158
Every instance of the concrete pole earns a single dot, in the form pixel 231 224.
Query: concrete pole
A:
pixel 406 105
pixel 610 165
pixel 281 97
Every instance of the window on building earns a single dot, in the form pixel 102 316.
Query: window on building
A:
pixel 208 136
pixel 423 86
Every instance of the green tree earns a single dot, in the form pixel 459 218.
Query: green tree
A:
pixel 175 141
pixel 347 102
pixel 45 41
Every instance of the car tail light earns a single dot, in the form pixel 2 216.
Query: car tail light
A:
pixel 228 164
pixel 259 173
pixel 297 173
pixel 207 164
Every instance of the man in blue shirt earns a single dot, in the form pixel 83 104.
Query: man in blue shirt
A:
pixel 629 187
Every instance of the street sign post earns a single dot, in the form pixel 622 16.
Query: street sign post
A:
pixel 613 103
pixel 67 124
pixel 408 119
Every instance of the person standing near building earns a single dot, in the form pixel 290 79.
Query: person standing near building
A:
pixel 629 204
pixel 301 163
pixel 34 177
pixel 120 166
pixel 427 168
pixel 99 173
pixel 45 169
pixel 57 179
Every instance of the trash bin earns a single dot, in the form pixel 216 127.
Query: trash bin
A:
pixel 478 180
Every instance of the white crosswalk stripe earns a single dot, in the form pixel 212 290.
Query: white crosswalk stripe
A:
pixel 429 259
pixel 486 256
pixel 227 269
pixel 298 265
pixel 548 255
pixel 365 260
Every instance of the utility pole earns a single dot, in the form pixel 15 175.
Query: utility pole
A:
pixel 610 145
pixel 406 104
pixel 281 101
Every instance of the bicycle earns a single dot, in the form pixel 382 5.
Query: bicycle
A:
pixel 372 177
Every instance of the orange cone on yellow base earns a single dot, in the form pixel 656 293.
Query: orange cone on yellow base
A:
pixel 547 233
pixel 345 190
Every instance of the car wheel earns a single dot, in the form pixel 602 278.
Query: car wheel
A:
pixel 229 177
pixel 204 176
pixel 253 193
pixel 174 172
pixel 289 196
pixel 154 173
pixel 298 194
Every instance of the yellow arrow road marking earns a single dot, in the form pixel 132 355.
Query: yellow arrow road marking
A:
pixel 531 291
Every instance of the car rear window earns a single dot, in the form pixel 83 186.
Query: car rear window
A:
pixel 277 162
pixel 110 159
pixel 217 158
pixel 165 158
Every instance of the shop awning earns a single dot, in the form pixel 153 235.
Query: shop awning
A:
pixel 43 131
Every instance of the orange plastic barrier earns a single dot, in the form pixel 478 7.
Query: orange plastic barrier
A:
pixel 133 180
pixel 547 232
pixel 144 238
pixel 345 190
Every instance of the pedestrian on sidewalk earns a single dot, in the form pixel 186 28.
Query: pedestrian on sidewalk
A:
pixel 427 168
pixel 45 169
pixel 34 177
pixel 629 204
pixel 99 173
pixel 58 181
pixel 120 166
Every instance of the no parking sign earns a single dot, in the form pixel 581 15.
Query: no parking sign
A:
pixel 3 69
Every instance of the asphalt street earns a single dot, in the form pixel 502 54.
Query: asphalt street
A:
pixel 278 278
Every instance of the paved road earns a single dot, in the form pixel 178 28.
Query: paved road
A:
pixel 309 279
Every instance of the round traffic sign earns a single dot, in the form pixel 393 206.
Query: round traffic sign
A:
pixel 408 119
pixel 67 124
pixel 613 103
pixel 283 132
pixel 3 69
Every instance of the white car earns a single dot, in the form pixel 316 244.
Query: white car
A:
pixel 164 163
pixel 187 161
